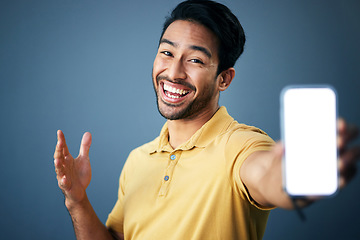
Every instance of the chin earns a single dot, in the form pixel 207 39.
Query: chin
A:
pixel 176 112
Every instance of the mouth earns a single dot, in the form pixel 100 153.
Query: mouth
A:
pixel 174 93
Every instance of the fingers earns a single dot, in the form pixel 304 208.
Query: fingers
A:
pixel 64 162
pixel 62 142
pixel 61 157
pixel 346 174
pixel 60 173
pixel 347 165
pixel 351 156
pixel 85 144
pixel 346 133
pixel 341 127
pixel 348 156
pixel 278 150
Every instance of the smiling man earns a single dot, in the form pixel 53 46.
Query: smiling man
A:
pixel 185 78
pixel 206 176
pixel 185 72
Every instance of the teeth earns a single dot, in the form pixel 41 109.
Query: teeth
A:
pixel 175 90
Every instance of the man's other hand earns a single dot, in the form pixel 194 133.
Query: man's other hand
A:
pixel 73 175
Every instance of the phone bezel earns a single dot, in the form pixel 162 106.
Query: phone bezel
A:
pixel 282 127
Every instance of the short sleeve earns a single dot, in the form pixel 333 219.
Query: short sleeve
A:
pixel 240 146
pixel 115 219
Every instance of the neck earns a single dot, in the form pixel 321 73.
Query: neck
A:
pixel 182 130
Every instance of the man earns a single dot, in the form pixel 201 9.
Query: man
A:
pixel 206 176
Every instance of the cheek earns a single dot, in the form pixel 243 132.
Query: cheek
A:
pixel 203 79
pixel 155 70
pixel 159 65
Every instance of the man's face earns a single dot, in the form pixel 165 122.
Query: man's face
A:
pixel 184 71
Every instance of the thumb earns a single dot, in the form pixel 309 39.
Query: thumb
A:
pixel 278 150
pixel 85 144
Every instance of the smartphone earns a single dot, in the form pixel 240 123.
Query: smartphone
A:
pixel 309 132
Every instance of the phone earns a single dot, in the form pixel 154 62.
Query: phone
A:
pixel 309 135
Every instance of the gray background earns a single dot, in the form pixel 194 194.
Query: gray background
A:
pixel 86 66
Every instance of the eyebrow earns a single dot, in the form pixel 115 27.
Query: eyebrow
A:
pixel 193 47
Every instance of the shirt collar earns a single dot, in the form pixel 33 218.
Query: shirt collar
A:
pixel 202 137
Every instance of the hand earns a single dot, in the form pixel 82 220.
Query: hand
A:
pixel 73 175
pixel 348 156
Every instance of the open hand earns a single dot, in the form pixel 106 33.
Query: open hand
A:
pixel 73 175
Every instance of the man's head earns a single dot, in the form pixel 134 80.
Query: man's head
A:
pixel 218 19
pixel 199 46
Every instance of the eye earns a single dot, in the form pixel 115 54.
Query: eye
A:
pixel 167 53
pixel 196 61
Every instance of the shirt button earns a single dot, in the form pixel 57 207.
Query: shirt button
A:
pixel 173 157
pixel 166 178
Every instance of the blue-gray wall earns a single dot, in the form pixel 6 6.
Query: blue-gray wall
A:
pixel 85 66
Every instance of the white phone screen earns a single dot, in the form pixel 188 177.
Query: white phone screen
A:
pixel 310 165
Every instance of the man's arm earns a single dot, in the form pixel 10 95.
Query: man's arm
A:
pixel 87 225
pixel 73 177
pixel 262 174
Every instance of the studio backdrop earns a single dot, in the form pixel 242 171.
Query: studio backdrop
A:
pixel 86 66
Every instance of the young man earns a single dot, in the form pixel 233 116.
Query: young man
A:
pixel 206 176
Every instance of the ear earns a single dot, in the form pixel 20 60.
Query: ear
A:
pixel 225 78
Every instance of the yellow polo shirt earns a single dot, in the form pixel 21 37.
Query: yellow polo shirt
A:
pixel 193 191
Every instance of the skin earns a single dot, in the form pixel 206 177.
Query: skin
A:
pixel 180 64
pixel 73 177
pixel 261 171
pixel 187 59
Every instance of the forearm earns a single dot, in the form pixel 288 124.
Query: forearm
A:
pixel 262 175
pixel 85 221
pixel 267 188
pixel 272 190
pixel 276 196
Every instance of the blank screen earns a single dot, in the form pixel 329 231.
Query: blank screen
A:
pixel 309 135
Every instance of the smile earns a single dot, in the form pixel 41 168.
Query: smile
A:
pixel 174 93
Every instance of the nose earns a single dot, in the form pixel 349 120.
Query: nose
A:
pixel 176 70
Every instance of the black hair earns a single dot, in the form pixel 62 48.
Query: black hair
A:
pixel 220 20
